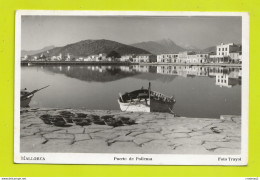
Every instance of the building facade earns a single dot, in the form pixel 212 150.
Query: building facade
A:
pixel 145 58
pixel 167 58
pixel 226 53
pixel 127 57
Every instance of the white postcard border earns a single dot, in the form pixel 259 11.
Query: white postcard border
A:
pixel 157 159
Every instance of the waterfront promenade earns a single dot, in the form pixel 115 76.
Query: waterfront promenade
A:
pixel 153 133
pixel 123 63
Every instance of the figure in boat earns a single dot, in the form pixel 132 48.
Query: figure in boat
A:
pixel 26 96
pixel 146 100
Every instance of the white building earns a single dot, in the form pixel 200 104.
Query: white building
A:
pixel 224 53
pixel 24 58
pixel 167 58
pixel 102 57
pixel 127 57
pixel 144 58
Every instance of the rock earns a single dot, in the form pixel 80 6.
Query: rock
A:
pixel 151 136
pixel 75 130
pixel 125 120
pixel 90 146
pixel 81 121
pixel 210 137
pixel 198 133
pixel 113 122
pixel 216 130
pixel 135 133
pixel 124 147
pixel 49 129
pixel 157 146
pixel 99 127
pixel 177 135
pixel 227 151
pixel 186 141
pixel 102 135
pixel 58 136
pixel 155 133
pixel 80 137
pixel 141 141
pixel 124 138
pixel 81 115
pixel 28 144
pixel 191 149
pixel 210 146
pixel 231 145
pixel 93 117
pixel 182 130
pixel 29 131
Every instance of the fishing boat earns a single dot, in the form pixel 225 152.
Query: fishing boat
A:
pixel 26 101
pixel 146 100
pixel 26 96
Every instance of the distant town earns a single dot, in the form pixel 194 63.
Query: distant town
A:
pixel 229 53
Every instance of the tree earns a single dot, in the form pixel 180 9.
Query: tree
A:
pixel 113 55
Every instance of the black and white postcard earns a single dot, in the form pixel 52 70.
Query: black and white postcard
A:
pixel 131 87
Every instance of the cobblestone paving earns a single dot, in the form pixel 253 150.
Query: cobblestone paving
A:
pixel 153 133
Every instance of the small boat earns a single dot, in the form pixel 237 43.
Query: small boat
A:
pixel 26 101
pixel 26 96
pixel 146 100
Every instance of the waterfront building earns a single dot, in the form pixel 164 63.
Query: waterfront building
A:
pixel 59 57
pixel 224 53
pixel 167 58
pixel 184 57
pixel 236 57
pixel 67 57
pixel 34 58
pixel 24 58
pixel 145 58
pixel 93 57
pixel 127 57
pixel 53 58
pixel 102 56
pixel 80 59
pixel 192 57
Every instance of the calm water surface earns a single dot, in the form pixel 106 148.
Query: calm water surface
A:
pixel 199 91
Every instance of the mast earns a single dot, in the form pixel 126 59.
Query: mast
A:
pixel 149 91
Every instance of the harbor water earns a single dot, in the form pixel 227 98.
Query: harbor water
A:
pixel 199 91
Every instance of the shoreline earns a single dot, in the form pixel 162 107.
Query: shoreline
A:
pixel 25 63
pixel 152 133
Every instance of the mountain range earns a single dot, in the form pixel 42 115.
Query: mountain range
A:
pixel 32 52
pixel 163 46
pixel 89 47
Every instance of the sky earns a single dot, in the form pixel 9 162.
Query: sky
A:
pixel 202 32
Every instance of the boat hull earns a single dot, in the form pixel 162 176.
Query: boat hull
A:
pixel 26 102
pixel 140 101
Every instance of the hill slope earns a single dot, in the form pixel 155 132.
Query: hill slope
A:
pixel 159 47
pixel 211 49
pixel 32 52
pixel 90 47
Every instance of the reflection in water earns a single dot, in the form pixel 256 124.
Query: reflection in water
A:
pixel 93 73
pixel 199 91
pixel 225 76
